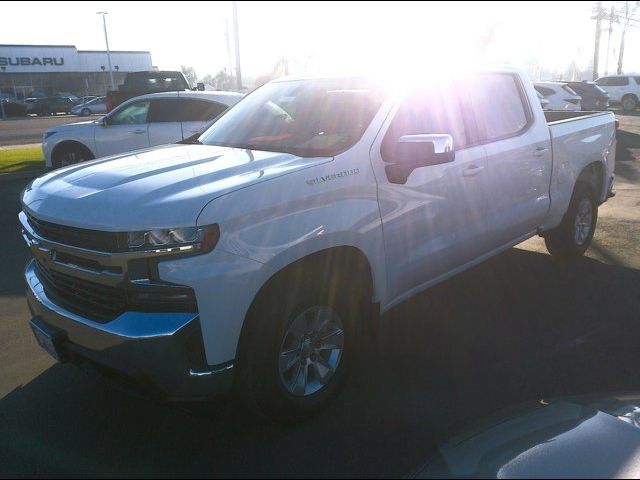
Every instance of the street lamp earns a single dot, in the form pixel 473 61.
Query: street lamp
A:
pixel 106 40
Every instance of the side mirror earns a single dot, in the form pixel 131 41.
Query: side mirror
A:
pixel 200 87
pixel 416 151
pixel 104 121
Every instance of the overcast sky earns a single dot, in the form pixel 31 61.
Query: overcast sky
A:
pixel 323 33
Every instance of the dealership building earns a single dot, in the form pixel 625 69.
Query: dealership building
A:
pixel 41 70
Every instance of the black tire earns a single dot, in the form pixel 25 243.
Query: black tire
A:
pixel 70 155
pixel 259 383
pixel 629 103
pixel 565 242
pixel 85 112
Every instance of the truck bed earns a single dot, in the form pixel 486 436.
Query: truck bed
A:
pixel 577 139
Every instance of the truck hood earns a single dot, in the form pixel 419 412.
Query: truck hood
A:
pixel 576 437
pixel 162 187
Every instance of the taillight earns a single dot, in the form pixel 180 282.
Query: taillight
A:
pixel 617 123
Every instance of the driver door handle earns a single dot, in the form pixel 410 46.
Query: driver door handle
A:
pixel 139 131
pixel 472 170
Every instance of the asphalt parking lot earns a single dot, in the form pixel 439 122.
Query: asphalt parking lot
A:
pixel 29 129
pixel 519 327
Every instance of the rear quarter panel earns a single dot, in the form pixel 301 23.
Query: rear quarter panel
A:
pixel 576 143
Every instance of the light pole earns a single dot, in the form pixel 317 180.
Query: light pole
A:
pixel 234 11
pixel 106 40
pixel 2 115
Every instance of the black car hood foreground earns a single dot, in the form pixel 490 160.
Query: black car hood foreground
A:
pixel 578 437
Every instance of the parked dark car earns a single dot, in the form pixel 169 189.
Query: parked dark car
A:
pixel 53 105
pixel 593 96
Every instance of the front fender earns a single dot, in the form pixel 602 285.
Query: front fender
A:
pixel 283 220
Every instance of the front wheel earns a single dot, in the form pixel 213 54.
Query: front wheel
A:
pixel 70 155
pixel 571 239
pixel 300 349
pixel 85 112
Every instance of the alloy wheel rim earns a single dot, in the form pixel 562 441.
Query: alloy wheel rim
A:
pixel 69 159
pixel 582 223
pixel 311 351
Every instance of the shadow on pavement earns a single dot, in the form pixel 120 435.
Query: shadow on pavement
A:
pixel 518 327
pixel 625 141
pixel 14 254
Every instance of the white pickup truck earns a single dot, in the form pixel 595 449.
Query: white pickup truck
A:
pixel 252 259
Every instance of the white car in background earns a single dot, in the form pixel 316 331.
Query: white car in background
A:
pixel 91 107
pixel 560 96
pixel 141 122
pixel 623 90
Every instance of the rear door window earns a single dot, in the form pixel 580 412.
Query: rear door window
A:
pixel 499 106
pixel 165 110
pixel 193 110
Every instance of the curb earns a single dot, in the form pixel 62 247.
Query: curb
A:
pixel 8 177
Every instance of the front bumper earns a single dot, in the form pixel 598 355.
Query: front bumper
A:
pixel 156 353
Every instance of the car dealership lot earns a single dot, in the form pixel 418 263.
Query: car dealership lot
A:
pixel 519 327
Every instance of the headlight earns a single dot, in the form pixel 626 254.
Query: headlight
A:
pixel 47 134
pixel 189 239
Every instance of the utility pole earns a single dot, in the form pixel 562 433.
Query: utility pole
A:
pixel 629 16
pixel 611 17
pixel 234 6
pixel 596 50
pixel 106 40
pixel 226 37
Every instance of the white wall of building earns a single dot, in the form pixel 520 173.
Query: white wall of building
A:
pixel 126 61
pixel 61 59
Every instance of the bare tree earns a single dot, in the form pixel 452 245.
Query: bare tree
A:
pixel 625 15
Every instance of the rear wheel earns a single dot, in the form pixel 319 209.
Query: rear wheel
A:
pixel 629 102
pixel 71 154
pixel 299 347
pixel 573 236
pixel 85 112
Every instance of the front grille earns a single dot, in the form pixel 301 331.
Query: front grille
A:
pixel 93 300
pixel 103 303
pixel 78 237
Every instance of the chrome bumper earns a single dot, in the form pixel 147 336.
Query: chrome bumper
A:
pixel 160 353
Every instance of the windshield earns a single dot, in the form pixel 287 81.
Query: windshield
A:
pixel 307 118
